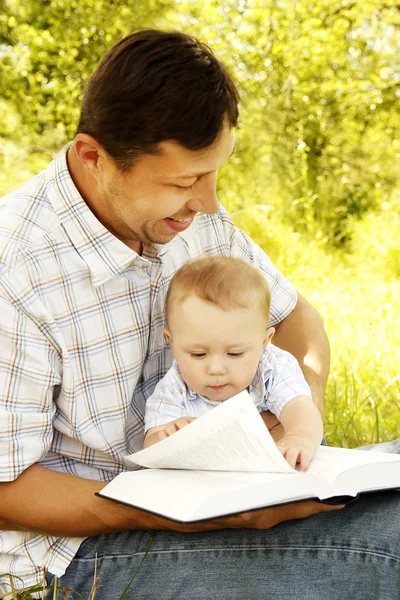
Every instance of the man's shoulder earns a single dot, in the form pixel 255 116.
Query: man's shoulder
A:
pixel 26 216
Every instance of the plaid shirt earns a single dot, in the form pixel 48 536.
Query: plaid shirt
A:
pixel 278 380
pixel 81 340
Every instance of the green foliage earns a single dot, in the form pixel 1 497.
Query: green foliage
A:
pixel 320 90
pixel 19 163
pixel 319 83
pixel 50 48
pixel 375 239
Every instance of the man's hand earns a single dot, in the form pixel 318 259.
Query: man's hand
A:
pixel 264 518
pixel 156 434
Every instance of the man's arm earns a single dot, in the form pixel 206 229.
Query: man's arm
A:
pixel 56 503
pixel 302 334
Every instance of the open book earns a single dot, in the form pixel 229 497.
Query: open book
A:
pixel 226 462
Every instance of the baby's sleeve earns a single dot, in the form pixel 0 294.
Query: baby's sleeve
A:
pixel 284 383
pixel 167 402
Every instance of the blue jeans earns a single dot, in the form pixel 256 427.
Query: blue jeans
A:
pixel 352 553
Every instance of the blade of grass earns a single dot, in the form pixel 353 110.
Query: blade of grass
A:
pixel 136 572
pixel 44 583
pixel 14 595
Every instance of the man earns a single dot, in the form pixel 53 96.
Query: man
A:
pixel 88 248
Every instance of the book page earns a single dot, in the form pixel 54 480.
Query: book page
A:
pixel 231 437
pixel 330 463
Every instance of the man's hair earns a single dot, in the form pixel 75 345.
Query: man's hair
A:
pixel 227 282
pixel 153 86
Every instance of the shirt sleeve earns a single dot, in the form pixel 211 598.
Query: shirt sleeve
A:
pixel 29 373
pixel 286 381
pixel 167 402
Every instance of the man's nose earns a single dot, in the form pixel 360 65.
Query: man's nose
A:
pixel 206 199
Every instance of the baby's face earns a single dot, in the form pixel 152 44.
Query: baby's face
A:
pixel 217 351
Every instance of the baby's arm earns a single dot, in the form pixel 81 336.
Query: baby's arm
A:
pixel 303 429
pixel 166 410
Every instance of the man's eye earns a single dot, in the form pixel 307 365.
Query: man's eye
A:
pixel 189 187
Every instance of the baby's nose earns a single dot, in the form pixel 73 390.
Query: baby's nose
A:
pixel 216 368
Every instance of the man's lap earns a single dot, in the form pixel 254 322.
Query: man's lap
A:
pixel 354 552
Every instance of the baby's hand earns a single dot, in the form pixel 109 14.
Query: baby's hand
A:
pixel 297 450
pixel 156 434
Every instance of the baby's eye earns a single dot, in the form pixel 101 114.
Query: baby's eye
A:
pixel 235 354
pixel 197 354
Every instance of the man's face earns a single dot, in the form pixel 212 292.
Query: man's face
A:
pixel 217 351
pixel 161 194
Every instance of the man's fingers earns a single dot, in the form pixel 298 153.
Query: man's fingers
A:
pixel 269 517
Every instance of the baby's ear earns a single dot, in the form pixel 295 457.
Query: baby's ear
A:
pixel 268 336
pixel 167 334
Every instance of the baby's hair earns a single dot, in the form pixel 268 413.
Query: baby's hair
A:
pixel 224 281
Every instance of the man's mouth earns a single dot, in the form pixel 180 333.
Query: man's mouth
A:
pixel 179 224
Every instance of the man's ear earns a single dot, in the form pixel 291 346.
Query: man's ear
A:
pixel 167 334
pixel 268 336
pixel 90 153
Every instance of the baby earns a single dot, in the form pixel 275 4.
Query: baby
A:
pixel 217 310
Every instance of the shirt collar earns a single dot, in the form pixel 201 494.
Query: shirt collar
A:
pixel 257 386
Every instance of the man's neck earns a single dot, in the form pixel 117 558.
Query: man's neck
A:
pixel 86 186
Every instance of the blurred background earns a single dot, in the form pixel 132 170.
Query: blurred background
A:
pixel 316 176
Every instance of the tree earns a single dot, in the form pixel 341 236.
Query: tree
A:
pixel 50 48
pixel 319 82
